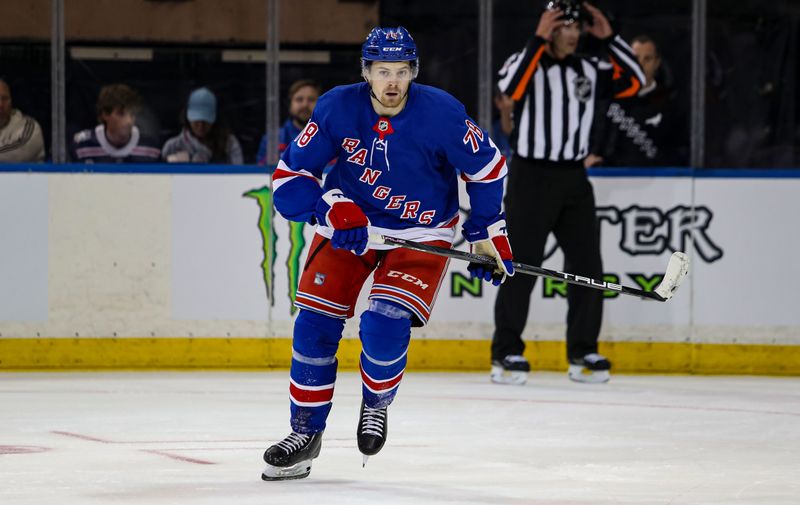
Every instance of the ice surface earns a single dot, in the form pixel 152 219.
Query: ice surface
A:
pixel 197 438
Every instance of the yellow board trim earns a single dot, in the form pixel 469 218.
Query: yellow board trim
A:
pixel 442 355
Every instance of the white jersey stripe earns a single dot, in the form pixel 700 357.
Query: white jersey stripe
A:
pixel 282 166
pixel 588 113
pixel 417 234
pixel 487 169
pixel 538 125
pixel 572 116
pixel 556 106
pixel 511 66
pixel 286 168
pixel 623 51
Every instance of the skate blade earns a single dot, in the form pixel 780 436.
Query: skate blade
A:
pixel 296 471
pixel 580 373
pixel 514 378
pixel 364 459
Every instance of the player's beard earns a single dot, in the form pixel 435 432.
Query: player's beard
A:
pixel 392 101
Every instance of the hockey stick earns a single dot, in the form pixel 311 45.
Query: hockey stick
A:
pixel 677 268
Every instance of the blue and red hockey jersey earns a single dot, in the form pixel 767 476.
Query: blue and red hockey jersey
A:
pixel 402 171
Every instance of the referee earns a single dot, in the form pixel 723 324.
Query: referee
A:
pixel 559 96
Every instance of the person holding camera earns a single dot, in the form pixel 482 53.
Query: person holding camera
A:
pixel 559 95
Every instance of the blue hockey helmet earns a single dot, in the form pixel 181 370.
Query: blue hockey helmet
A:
pixel 389 44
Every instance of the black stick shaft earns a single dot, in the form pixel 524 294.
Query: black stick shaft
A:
pixel 578 280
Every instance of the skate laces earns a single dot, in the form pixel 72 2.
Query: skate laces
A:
pixel 372 421
pixel 293 442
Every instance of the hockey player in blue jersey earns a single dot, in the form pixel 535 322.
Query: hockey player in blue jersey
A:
pixel 399 148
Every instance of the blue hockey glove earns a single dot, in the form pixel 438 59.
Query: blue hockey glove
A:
pixel 490 241
pixel 348 221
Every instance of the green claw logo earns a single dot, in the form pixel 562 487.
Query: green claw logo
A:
pixel 269 238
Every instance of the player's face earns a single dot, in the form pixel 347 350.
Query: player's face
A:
pixel 303 102
pixel 200 129
pixel 565 39
pixel 5 103
pixel 119 124
pixel 648 58
pixel 390 81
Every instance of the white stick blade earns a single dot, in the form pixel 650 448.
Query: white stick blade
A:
pixel 677 268
pixel 376 239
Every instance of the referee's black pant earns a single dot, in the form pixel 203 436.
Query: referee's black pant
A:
pixel 543 197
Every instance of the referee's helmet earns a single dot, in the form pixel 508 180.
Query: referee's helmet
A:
pixel 573 10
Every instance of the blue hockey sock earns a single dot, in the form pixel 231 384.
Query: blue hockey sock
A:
pixel 385 332
pixel 313 372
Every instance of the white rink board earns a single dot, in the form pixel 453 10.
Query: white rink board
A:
pixel 23 248
pixel 180 255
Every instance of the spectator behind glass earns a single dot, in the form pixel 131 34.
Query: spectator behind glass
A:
pixel 639 128
pixel 203 138
pixel 303 95
pixel 116 139
pixel 20 135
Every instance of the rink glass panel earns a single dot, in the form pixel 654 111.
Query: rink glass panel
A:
pixel 25 62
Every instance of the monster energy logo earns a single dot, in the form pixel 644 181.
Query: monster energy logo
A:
pixel 269 238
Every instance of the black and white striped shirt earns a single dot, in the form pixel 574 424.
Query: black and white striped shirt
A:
pixel 557 101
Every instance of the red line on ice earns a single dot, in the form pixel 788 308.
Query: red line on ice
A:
pixel 178 457
pixel 82 437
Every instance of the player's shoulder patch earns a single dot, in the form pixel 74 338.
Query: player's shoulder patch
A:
pixel 83 136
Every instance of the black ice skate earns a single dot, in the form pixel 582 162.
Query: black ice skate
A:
pixel 513 369
pixel 592 368
pixel 371 432
pixel 291 457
